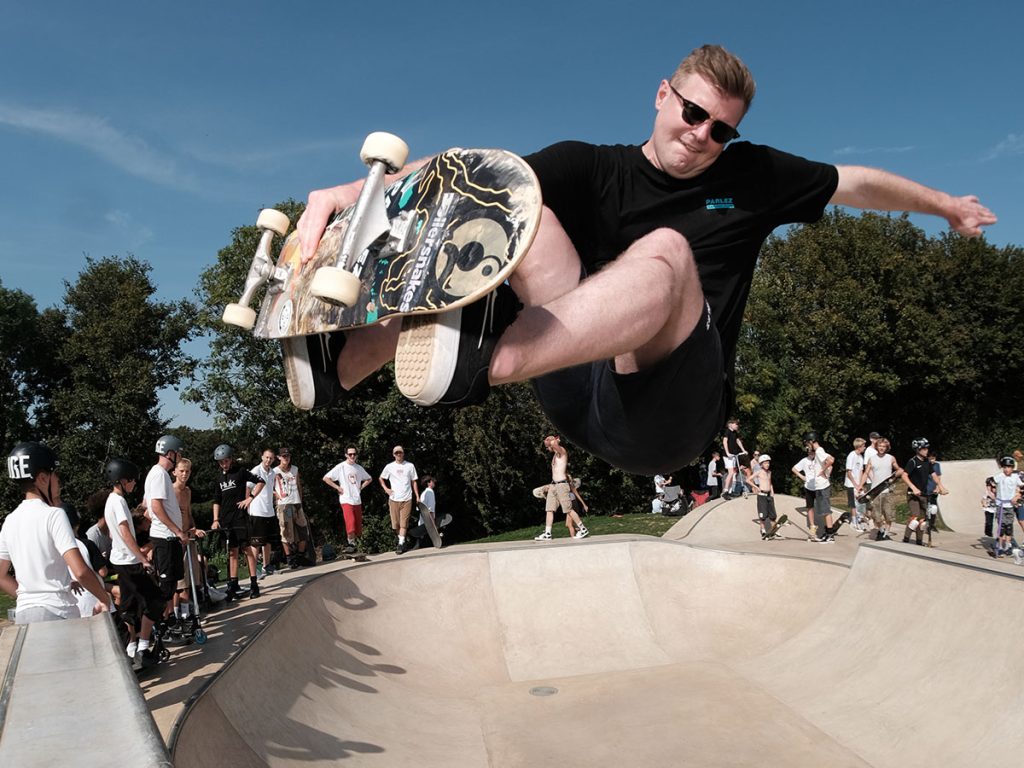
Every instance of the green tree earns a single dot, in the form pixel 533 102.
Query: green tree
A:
pixel 863 322
pixel 116 346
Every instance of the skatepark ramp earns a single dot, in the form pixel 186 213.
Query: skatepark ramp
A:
pixel 627 651
pixel 68 698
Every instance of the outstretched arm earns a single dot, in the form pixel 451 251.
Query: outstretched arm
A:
pixel 861 187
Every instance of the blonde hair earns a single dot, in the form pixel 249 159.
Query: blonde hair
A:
pixel 187 463
pixel 858 442
pixel 724 70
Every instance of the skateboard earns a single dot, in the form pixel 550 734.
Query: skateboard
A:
pixel 877 489
pixel 429 525
pixel 783 520
pixel 359 557
pixel 445 235
pixel 834 528
pixel 541 491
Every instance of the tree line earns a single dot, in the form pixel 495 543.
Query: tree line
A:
pixel 855 323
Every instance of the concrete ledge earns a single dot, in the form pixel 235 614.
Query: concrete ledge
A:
pixel 66 685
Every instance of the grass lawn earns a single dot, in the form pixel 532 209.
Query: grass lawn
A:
pixel 646 524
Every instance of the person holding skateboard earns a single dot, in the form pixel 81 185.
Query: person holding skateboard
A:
pixel 854 482
pixel 349 479
pixel 559 493
pixel 879 469
pixel 656 245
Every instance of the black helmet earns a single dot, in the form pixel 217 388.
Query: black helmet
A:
pixel 1007 461
pixel 26 460
pixel 169 443
pixel 811 437
pixel 121 469
pixel 223 451
pixel 921 442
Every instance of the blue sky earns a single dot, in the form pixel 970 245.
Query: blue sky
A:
pixel 131 128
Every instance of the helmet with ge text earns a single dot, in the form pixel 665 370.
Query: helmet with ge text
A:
pixel 28 459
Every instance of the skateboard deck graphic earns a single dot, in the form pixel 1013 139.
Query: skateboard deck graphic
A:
pixel 877 489
pixel 458 227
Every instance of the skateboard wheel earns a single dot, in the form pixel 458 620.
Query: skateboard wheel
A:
pixel 385 147
pixel 336 286
pixel 236 314
pixel 273 220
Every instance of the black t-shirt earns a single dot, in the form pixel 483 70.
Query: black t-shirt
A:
pixel 230 489
pixel 606 197
pixel 919 470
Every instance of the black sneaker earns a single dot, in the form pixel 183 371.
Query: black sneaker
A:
pixel 348 549
pixel 311 369
pixel 254 590
pixel 400 549
pixel 442 359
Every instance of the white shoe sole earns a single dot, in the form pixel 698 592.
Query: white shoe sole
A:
pixel 427 353
pixel 298 373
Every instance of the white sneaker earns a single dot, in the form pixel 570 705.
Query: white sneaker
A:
pixel 543 536
pixel 582 533
pixel 131 649
pixel 261 572
pixel 216 596
pixel 1018 557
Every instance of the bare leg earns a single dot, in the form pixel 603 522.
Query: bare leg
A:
pixel 649 298
pixel 647 301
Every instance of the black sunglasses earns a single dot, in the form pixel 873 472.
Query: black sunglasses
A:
pixel 694 115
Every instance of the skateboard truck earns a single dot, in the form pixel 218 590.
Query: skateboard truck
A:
pixel 384 153
pixel 271 222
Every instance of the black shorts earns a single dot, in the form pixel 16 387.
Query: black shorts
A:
pixel 262 530
pixel 169 561
pixel 653 421
pixel 140 595
pixel 236 528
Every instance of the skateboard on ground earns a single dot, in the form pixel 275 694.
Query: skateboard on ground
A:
pixel 442 237
pixel 783 520
pixel 877 489
pixel 834 528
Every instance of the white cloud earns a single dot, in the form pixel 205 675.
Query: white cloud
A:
pixel 95 134
pixel 137 234
pixel 1011 146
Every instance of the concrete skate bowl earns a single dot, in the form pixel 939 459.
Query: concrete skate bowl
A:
pixel 961 509
pixel 626 652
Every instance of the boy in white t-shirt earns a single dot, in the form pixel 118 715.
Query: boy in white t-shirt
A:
pixel 36 538
pixel 854 482
pixel 1008 496
pixel 142 603
pixel 290 517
